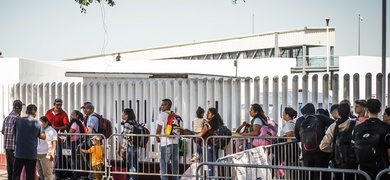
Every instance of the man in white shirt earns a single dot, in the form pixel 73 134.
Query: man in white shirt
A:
pixel 169 146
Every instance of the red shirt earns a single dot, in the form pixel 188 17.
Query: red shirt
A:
pixel 59 119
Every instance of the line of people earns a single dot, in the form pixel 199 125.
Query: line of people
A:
pixel 33 147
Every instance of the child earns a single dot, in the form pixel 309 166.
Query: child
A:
pixel 97 152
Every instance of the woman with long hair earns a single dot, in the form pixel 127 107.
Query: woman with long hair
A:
pixel 213 124
pixel 75 126
pixel 128 145
pixel 258 119
pixel 46 150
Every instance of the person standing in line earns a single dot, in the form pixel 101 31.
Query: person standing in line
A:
pixel 360 109
pixel 85 118
pixel 334 111
pixel 46 150
pixel 75 126
pixel 316 157
pixel 27 131
pixel 341 129
pixel 128 145
pixel 371 142
pixel 59 120
pixel 9 138
pixel 198 125
pixel 289 114
pixel 259 119
pixel 93 120
pixel 213 124
pixel 169 146
pixel 97 151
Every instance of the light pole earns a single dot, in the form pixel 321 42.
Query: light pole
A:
pixel 360 18
pixel 327 44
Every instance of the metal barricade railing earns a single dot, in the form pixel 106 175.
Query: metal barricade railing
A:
pixel 384 174
pixel 145 160
pixel 256 171
pixel 69 157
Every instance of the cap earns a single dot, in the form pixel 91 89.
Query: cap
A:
pixel 85 104
pixel 96 137
pixel 18 104
pixel 89 106
pixel 58 101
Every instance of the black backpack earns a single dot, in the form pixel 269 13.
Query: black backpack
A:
pixel 222 142
pixel 311 133
pixel 343 155
pixel 138 141
pixel 367 144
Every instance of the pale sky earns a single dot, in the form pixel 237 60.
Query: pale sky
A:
pixel 56 30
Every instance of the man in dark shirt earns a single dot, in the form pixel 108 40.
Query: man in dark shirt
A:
pixel 315 158
pixel 365 129
pixel 27 131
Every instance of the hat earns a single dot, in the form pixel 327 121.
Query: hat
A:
pixel 96 137
pixel 58 101
pixel 18 104
pixel 85 104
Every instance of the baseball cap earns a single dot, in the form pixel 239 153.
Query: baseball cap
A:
pixel 18 104
pixel 96 137
pixel 85 104
pixel 58 101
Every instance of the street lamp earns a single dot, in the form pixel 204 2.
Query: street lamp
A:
pixel 327 44
pixel 360 18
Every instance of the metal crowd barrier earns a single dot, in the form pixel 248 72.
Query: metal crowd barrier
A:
pixel 147 161
pixel 264 172
pixel 70 159
pixel 383 175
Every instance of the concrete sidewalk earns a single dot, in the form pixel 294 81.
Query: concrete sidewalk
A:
pixel 3 174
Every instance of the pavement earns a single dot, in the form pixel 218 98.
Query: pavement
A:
pixel 3 174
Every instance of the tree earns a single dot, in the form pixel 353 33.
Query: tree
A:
pixel 86 3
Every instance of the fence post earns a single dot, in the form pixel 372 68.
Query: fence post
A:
pixel 379 93
pixel 256 89
pixel 325 91
pixel 356 85
pixel 346 87
pixel 305 89
pixel 294 92
pixel 314 90
pixel 335 89
pixel 368 87
pixel 275 98
pixel 284 92
pixel 266 95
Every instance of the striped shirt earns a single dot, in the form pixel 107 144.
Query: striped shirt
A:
pixel 8 123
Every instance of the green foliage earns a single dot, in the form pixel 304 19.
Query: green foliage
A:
pixel 235 1
pixel 86 3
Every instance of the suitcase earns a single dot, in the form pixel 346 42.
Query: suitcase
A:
pixel 118 166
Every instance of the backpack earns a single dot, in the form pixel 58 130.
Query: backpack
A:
pixel 105 126
pixel 139 141
pixel 269 129
pixel 366 144
pixel 174 125
pixel 222 142
pixel 182 146
pixel 343 155
pixel 311 133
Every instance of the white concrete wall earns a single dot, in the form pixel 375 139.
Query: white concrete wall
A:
pixel 15 70
pixel 9 70
pixel 362 65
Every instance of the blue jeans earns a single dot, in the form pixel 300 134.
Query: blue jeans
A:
pixel 212 156
pixel 169 152
pixel 132 160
